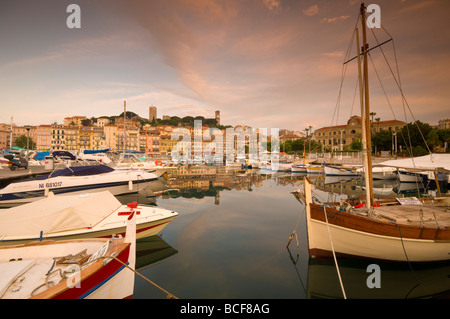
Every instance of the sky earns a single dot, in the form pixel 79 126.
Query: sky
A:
pixel 262 63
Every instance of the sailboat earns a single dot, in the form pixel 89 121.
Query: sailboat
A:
pixel 403 230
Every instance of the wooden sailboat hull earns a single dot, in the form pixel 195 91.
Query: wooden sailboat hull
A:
pixel 298 168
pixel 360 236
pixel 339 171
pixel 314 169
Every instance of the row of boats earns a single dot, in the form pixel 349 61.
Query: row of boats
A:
pixel 409 230
pixel 66 235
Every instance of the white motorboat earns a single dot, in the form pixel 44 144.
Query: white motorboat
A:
pixel 70 269
pixel 380 173
pixel 410 177
pixel 433 166
pixel 72 180
pixel 100 156
pixel 339 171
pixel 131 161
pixel 89 215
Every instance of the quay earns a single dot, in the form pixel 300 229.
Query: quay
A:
pixel 7 176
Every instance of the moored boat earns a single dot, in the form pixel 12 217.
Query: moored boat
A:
pixel 403 230
pixel 339 171
pixel 70 269
pixel 62 217
pixel 298 168
pixel 314 169
pixel 75 180
pixel 410 177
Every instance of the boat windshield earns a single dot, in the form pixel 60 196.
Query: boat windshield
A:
pixel 75 171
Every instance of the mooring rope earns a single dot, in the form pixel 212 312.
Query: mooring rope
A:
pixel 169 295
pixel 334 254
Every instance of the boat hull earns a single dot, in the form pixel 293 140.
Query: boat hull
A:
pixel 408 177
pixel 298 169
pixel 314 169
pixel 337 171
pixel 97 280
pixel 118 183
pixel 143 230
pixel 358 236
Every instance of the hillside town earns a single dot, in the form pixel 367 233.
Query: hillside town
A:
pixel 153 135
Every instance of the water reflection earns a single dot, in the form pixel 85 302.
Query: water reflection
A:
pixel 231 241
pixel 397 281
pixel 151 250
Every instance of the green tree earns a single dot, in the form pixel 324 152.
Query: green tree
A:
pixel 356 145
pixel 298 145
pixel 433 139
pixel 187 120
pixel 382 140
pixel 86 122
pixel 21 141
pixel 414 134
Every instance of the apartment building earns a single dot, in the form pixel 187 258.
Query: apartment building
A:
pixel 340 136
pixel 74 120
pixel 58 141
pixel 149 142
pixel 72 138
pixel 91 138
pixel 5 133
pixel 43 137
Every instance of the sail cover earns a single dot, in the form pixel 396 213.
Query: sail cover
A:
pixel 431 162
pixel 57 213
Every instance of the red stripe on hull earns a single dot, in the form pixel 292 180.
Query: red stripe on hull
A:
pixel 97 279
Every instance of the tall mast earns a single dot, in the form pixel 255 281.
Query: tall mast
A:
pixel 124 125
pixel 10 133
pixel 367 150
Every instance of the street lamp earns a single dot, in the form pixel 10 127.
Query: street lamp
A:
pixel 394 144
pixel 28 127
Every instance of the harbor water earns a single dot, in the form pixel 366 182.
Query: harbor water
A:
pixel 231 240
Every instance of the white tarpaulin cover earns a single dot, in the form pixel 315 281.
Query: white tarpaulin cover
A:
pixel 57 213
pixel 432 162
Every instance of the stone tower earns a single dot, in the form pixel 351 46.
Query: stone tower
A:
pixel 152 113
pixel 218 117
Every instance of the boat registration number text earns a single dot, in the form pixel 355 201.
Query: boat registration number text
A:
pixel 50 185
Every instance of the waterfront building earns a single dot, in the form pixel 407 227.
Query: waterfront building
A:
pixel 167 144
pixel 149 142
pixel 110 132
pixel 102 121
pixel 341 136
pixel 43 137
pixel 58 135
pixel 288 137
pixel 72 138
pixel 5 133
pixel 128 137
pixel 74 120
pixel 444 124
pixel 91 138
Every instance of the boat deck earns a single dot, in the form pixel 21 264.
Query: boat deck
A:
pixel 428 216
pixel 26 273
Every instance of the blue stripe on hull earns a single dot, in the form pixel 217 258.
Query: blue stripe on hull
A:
pixel 20 196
